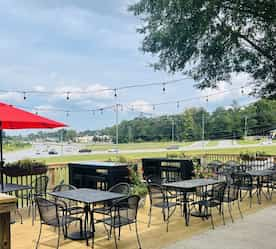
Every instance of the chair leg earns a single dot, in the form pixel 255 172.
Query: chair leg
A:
pixel 250 197
pixel 137 235
pixel 115 238
pixel 240 209
pixel 38 239
pixel 149 214
pixel 212 222
pixel 222 214
pixel 58 240
pixel 119 237
pixel 230 211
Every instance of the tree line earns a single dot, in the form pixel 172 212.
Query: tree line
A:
pixel 193 124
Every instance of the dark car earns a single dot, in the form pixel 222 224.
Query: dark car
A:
pixel 85 150
pixel 52 152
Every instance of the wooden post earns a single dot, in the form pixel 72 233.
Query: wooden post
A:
pixel 7 205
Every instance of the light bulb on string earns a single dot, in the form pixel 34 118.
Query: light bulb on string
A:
pixel 164 87
pixel 115 93
pixel 67 114
pixel 177 105
pixel 242 90
pixel 24 95
pixel 101 110
pixel 207 99
pixel 153 107
pixel 67 95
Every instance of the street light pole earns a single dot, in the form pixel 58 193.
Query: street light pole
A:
pixel 245 126
pixel 172 130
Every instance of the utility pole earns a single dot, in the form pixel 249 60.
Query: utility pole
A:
pixel 117 124
pixel 172 130
pixel 245 126
pixel 203 130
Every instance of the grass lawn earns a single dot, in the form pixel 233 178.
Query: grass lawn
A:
pixel 15 147
pixel 267 149
pixel 137 146
pixel 248 141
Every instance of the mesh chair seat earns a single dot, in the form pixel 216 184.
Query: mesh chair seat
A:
pixel 118 221
pixel 165 204
pixel 63 221
pixel 208 203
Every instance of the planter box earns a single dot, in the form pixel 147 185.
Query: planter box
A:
pixel 38 170
pixel 14 171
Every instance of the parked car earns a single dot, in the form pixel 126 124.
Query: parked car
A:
pixel 113 150
pixel 85 150
pixel 52 152
pixel 173 147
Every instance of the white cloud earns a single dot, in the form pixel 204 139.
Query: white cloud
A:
pixel 93 91
pixel 141 106
pixel 11 96
pixel 236 88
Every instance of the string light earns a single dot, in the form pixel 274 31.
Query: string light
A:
pixel 115 92
pixel 177 105
pixel 24 96
pixel 164 88
pixel 242 90
pixel 153 107
pixel 207 99
pixel 67 114
pixel 67 95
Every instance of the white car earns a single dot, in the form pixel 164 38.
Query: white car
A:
pixel 113 150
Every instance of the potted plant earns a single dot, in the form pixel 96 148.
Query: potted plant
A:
pixel 24 167
pixel 138 187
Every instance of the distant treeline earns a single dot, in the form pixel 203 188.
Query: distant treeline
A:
pixel 224 123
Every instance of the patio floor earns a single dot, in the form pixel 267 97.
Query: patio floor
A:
pixel 156 237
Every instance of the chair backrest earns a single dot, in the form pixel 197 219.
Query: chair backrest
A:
pixel 40 185
pixel 232 191
pixel 48 211
pixel 157 194
pixel 218 191
pixel 121 188
pixel 63 187
pixel 127 207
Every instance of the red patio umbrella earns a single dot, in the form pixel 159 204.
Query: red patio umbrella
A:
pixel 15 118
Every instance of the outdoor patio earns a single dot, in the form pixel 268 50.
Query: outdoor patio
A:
pixel 155 237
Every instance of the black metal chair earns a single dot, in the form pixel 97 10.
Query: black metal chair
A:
pixel 160 198
pixel 71 206
pixel 54 215
pixel 123 213
pixel 247 186
pixel 39 189
pixel 120 188
pixel 215 166
pixel 215 200
pixel 232 194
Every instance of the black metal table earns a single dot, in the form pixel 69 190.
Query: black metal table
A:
pixel 186 186
pixel 14 187
pixel 88 197
pixel 260 174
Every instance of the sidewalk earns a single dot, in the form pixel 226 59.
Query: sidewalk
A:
pixel 255 231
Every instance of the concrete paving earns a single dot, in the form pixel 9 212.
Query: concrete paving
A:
pixel 255 231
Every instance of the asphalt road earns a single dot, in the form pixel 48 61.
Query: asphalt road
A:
pixel 41 150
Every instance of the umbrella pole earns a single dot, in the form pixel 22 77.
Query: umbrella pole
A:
pixel 1 157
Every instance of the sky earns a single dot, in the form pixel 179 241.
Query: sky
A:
pixel 82 47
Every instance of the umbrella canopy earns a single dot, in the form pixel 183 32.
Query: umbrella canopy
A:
pixel 15 118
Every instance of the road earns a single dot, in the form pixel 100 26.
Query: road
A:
pixel 41 150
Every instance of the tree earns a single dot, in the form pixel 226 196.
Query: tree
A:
pixel 212 39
